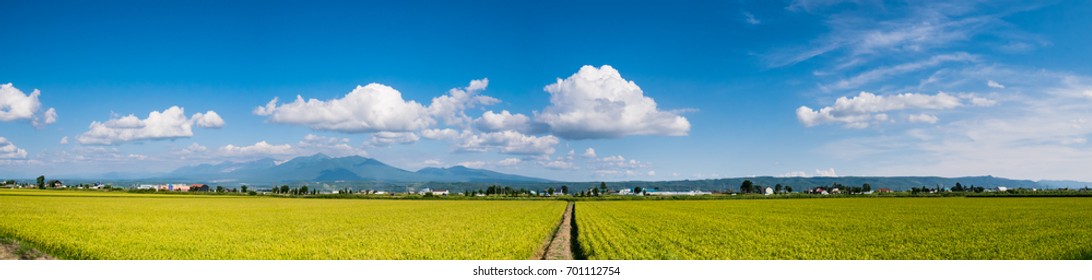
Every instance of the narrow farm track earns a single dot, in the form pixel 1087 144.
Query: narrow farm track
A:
pixel 560 247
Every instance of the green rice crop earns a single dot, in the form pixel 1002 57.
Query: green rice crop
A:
pixel 89 225
pixel 876 228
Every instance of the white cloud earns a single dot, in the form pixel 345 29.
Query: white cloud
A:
pixel 493 122
pixel 862 110
pixel 750 19
pixel 332 146
pixel 994 84
pixel 195 148
pixel 208 119
pixel 17 106
pixel 451 107
pixel 508 142
pixel 169 124
pixel 557 164
pixel 794 174
pixel 472 164
pixel 64 140
pixel 98 154
pixel 50 117
pixel 589 153
pixel 385 138
pixel 884 72
pixel 599 103
pixel 432 162
pixel 651 173
pixel 258 149
pixel 509 162
pixel 441 134
pixel 872 30
pixel 922 118
pixel 8 151
pixel 371 108
pixel 826 173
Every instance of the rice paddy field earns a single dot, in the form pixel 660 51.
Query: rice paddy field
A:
pixel 89 225
pixel 848 228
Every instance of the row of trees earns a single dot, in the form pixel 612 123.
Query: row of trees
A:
pixel 302 190
pixel 750 187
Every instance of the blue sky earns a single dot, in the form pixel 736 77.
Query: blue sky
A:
pixel 656 90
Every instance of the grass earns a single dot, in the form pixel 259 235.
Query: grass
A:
pixel 880 228
pixel 73 225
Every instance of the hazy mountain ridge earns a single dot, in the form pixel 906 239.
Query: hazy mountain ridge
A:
pixel 322 168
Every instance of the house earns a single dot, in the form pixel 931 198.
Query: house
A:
pixel 768 191
pixel 883 190
pixel 1002 188
pixel 199 188
pixel 439 192
pixel 56 184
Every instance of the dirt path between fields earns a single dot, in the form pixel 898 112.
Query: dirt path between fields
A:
pixel 13 250
pixel 560 246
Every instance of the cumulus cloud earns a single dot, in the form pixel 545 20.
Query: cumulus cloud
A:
pixel 794 174
pixel 826 173
pixel 18 106
pixel 208 119
pixel 371 108
pixel 509 162
pixel 922 118
pixel 258 149
pixel 508 142
pixel 194 148
pixel 169 124
pixel 994 84
pixel 451 108
pixel 8 150
pixel 493 122
pixel 865 108
pixel 589 153
pixel 64 140
pixel 557 164
pixel 599 103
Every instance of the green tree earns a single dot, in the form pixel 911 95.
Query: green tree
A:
pixel 788 189
pixel 595 192
pixel 219 189
pixel 564 189
pixel 284 189
pixel 243 188
pixel 747 186
pixel 41 182
pixel 637 190
pixel 550 191
pixel 303 190
pixel 603 187
pixel 777 188
pixel 866 187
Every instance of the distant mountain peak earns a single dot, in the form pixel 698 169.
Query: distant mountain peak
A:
pixel 323 168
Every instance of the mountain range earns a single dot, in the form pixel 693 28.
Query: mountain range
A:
pixel 322 168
